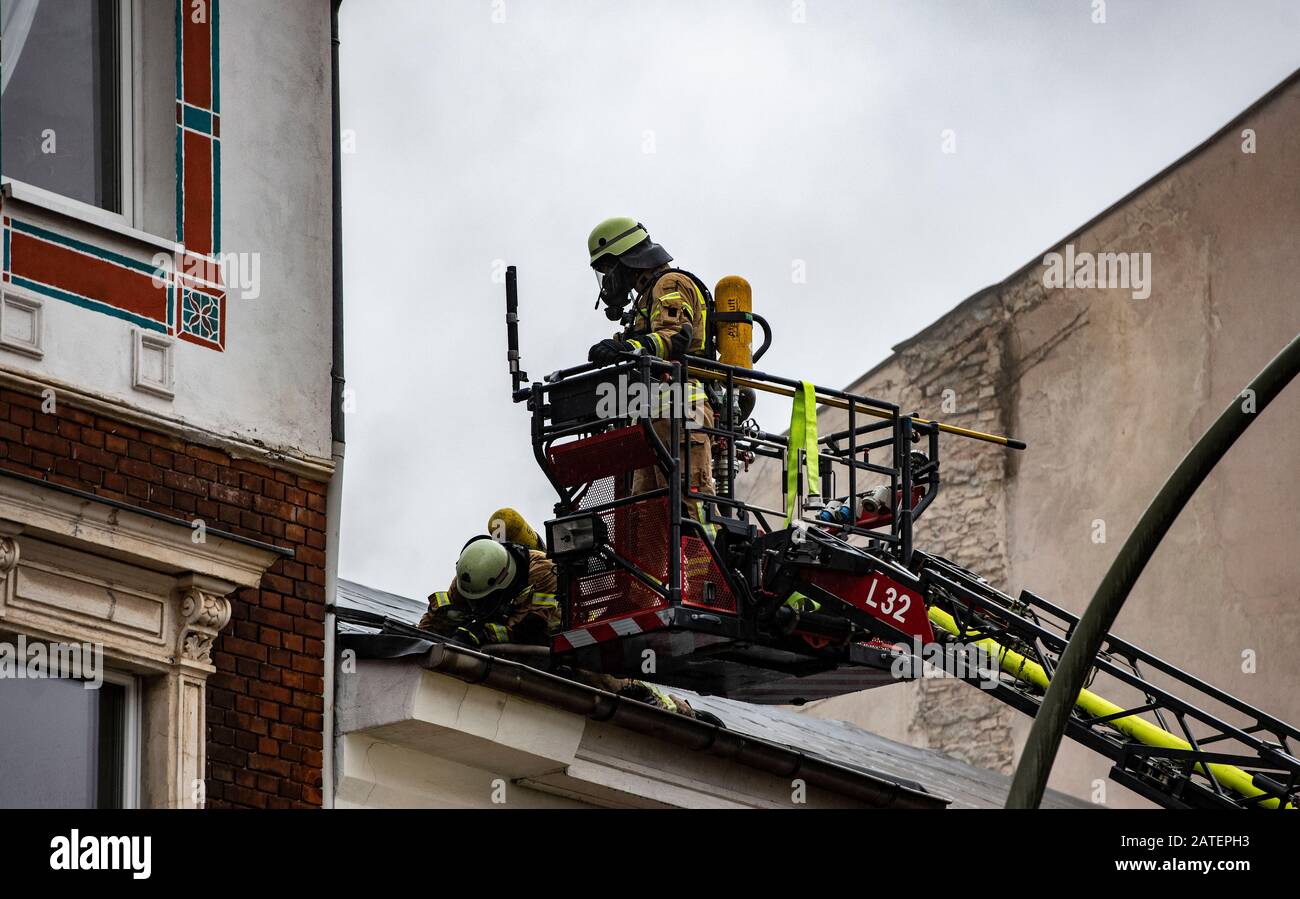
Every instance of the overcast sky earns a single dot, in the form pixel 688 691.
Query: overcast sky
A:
pixel 748 142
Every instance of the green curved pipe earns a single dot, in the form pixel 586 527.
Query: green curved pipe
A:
pixel 1030 779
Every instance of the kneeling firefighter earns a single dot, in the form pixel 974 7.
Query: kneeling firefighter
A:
pixel 505 593
pixel 669 317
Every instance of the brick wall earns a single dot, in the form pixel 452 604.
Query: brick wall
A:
pixel 265 701
pixel 967 523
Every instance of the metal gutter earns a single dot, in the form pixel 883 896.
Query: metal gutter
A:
pixel 598 705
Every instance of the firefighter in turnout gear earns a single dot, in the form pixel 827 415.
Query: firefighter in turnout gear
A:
pixel 505 593
pixel 668 318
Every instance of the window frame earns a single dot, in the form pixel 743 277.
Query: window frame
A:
pixel 131 712
pixel 130 127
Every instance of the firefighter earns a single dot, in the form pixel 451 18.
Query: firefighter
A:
pixel 668 318
pixel 505 593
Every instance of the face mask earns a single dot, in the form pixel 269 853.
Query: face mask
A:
pixel 614 289
pixel 488 608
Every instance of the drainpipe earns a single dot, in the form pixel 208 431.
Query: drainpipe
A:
pixel 334 497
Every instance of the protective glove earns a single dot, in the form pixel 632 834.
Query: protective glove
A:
pixel 532 629
pixel 657 697
pixel 608 350
pixel 467 636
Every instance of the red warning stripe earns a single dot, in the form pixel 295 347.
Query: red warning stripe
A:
pixel 603 631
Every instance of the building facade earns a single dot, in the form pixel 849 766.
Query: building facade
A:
pixel 1110 385
pixel 166 343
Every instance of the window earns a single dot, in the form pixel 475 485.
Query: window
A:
pixel 66 98
pixel 65 746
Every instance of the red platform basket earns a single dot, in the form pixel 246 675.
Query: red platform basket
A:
pixel 604 455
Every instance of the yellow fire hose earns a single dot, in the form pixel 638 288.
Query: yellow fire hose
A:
pixel 836 403
pixel 1095 706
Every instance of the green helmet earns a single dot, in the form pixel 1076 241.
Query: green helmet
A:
pixel 626 240
pixel 484 566
pixel 615 236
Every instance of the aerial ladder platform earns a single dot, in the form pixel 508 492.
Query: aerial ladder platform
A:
pixel 827 595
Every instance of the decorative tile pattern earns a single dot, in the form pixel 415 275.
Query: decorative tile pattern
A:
pixel 73 270
pixel 201 318
pixel 201 315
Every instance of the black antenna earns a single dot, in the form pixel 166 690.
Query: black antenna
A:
pixel 517 375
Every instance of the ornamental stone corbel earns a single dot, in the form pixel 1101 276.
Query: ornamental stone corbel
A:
pixel 204 611
pixel 9 555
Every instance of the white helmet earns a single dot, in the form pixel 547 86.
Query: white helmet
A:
pixel 484 566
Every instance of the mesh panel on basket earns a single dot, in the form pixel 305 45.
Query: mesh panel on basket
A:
pixel 703 584
pixel 639 533
pixel 604 490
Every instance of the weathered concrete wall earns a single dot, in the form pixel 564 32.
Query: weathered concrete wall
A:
pixel 1110 392
pixel 966 524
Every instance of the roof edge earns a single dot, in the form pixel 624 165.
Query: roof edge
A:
pixel 599 705
pixel 1150 182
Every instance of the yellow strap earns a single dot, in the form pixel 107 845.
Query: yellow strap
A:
pixel 803 436
pixel 441 599
pixel 704 310
pixel 696 510
pixel 801 603
pixel 496 633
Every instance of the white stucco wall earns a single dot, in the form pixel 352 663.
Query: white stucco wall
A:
pixel 271 384
pixel 411 738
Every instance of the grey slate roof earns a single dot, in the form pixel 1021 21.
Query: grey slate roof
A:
pixel 849 745
pixel 835 741
pixel 352 595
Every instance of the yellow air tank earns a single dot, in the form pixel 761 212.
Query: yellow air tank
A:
pixel 735 338
pixel 509 526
